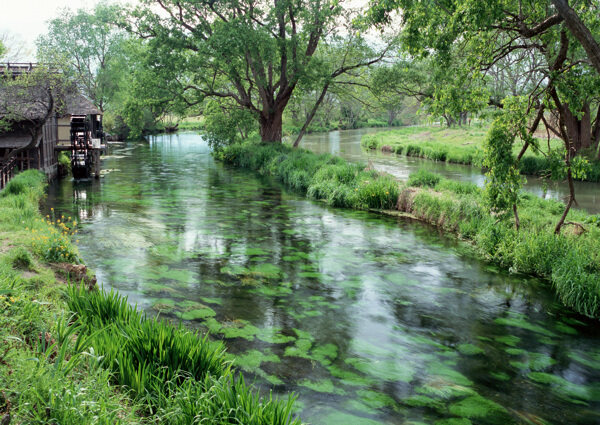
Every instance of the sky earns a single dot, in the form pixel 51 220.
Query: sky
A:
pixel 25 20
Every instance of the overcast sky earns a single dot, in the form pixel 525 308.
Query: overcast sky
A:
pixel 26 19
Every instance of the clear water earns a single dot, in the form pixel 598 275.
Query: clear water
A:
pixel 368 319
pixel 347 145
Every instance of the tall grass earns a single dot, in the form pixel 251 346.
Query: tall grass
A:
pixel 173 371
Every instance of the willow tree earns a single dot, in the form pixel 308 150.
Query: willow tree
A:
pixel 252 52
pixel 564 79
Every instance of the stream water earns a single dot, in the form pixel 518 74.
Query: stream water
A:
pixel 347 145
pixel 368 319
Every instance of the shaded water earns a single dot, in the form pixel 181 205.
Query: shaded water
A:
pixel 369 319
pixel 347 145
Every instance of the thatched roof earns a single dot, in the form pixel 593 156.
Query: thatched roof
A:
pixel 30 103
pixel 23 103
pixel 78 104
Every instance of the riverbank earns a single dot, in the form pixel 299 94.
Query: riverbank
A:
pixel 569 261
pixel 460 146
pixel 77 355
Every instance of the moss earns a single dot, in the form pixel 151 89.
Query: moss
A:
pixel 348 377
pixel 238 329
pixel 509 340
pixel 569 391
pixel 453 421
pixel 341 418
pixel 385 370
pixel 500 376
pixel 266 270
pixel 439 369
pixel 251 360
pixel 424 401
pixel 196 314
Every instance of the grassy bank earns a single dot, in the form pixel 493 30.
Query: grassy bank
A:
pixel 570 261
pixel 459 146
pixel 74 356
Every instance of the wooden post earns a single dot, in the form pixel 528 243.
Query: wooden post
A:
pixel 97 163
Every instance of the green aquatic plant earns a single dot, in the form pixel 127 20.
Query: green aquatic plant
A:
pixel 322 386
pixel 482 410
pixel 469 349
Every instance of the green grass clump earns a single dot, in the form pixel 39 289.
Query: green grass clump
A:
pixel 322 177
pixel 570 261
pixel 169 367
pixel 423 178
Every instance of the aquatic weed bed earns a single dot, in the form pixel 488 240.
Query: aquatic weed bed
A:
pixel 570 261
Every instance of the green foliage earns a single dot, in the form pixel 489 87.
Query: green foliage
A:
pixel 89 47
pixel 226 125
pixel 503 181
pixel 423 178
pixel 569 261
pixel 322 177
pixel 64 160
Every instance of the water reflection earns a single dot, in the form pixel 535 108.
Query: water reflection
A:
pixel 369 319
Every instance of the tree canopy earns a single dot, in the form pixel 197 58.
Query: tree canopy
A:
pixel 254 53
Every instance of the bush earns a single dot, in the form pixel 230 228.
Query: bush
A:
pixel 570 261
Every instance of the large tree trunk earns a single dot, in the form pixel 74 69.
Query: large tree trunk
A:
pixel 579 131
pixel 271 127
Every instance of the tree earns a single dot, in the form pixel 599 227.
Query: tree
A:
pixel 443 88
pixel 564 86
pixel 89 47
pixel 255 53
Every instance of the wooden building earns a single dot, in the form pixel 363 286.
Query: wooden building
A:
pixel 36 124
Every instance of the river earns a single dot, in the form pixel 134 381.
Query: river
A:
pixel 346 144
pixel 368 319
